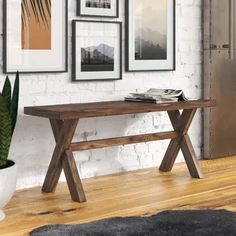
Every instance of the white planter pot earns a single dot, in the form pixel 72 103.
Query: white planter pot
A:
pixel 7 185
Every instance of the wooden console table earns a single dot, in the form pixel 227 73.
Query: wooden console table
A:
pixel 64 120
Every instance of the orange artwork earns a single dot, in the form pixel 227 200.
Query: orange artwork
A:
pixel 36 24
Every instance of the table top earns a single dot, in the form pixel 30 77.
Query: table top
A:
pixel 111 108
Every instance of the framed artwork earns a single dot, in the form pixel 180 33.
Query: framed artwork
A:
pixel 95 8
pixel 96 53
pixel 150 35
pixel 35 36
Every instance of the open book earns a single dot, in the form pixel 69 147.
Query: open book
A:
pixel 157 96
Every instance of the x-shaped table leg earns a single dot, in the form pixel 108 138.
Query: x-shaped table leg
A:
pixel 63 159
pixel 181 124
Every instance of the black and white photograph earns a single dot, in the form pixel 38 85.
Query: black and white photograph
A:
pixel 94 8
pixel 97 58
pixel 96 50
pixel 150 35
pixel 98 3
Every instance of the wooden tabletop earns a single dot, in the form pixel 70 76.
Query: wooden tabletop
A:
pixel 98 109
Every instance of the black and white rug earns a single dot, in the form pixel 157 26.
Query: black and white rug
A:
pixel 168 223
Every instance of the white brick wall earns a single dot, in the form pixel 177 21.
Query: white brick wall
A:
pixel 33 142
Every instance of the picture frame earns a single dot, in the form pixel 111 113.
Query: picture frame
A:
pixel 96 50
pixel 150 35
pixel 35 37
pixel 98 8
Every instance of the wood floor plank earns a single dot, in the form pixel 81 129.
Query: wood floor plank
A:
pixel 141 192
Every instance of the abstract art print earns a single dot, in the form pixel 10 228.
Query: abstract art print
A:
pixel 96 50
pixel 36 24
pixel 94 8
pixel 35 36
pixel 150 36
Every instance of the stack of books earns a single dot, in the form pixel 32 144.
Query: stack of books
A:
pixel 154 95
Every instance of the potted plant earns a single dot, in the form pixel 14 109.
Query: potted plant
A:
pixel 8 116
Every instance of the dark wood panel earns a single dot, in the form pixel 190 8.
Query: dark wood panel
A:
pixel 56 128
pixel 170 155
pixel 73 178
pixel 181 124
pixel 83 110
pixel 63 142
pixel 190 158
pixel 111 142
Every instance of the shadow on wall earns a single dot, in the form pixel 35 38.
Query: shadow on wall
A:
pixel 31 147
pixel 107 160
pixel 116 159
pixel 33 144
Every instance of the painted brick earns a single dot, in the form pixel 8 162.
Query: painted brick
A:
pixel 33 141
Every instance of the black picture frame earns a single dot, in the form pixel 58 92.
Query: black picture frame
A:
pixel 127 40
pixel 79 11
pixel 5 45
pixel 74 49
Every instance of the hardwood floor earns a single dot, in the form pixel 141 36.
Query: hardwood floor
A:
pixel 140 192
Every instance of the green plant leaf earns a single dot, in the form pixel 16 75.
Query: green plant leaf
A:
pixel 6 92
pixel 14 102
pixel 5 131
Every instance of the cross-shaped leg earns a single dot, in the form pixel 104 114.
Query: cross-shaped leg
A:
pixel 63 158
pixel 181 124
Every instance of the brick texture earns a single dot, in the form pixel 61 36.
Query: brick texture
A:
pixel 33 142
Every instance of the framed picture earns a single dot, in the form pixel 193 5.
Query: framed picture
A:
pixel 96 53
pixel 95 8
pixel 35 36
pixel 150 35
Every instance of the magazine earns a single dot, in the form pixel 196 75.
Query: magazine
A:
pixel 154 95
